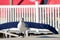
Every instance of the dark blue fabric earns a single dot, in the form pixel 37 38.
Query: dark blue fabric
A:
pixel 29 25
pixel 37 25
pixel 8 25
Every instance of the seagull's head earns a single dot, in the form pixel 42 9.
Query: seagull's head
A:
pixel 22 20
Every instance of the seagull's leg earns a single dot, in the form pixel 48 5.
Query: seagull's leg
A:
pixel 26 33
pixel 6 33
pixel 23 34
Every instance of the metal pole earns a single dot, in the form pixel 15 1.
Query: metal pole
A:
pixel 37 13
pixel 11 11
pixel 11 2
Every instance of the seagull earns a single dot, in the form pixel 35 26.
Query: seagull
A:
pixel 22 26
